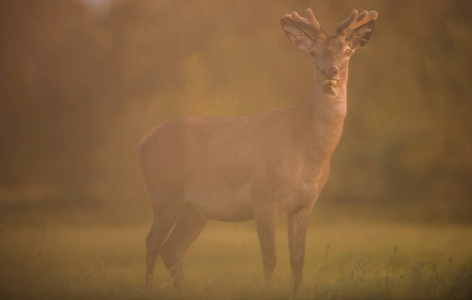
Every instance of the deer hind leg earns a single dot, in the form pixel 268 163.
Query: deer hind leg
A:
pixel 189 226
pixel 164 219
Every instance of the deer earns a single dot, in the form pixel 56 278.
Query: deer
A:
pixel 234 169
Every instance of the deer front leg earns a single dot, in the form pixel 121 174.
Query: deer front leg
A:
pixel 265 224
pixel 297 227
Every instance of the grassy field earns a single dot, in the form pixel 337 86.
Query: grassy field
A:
pixel 345 259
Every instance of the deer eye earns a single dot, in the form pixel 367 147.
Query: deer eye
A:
pixel 348 52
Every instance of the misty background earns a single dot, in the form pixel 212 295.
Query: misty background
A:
pixel 81 83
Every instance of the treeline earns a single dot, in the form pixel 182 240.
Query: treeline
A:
pixel 79 88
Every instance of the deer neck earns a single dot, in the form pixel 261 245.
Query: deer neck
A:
pixel 321 121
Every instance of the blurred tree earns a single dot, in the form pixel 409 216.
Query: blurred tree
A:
pixel 79 89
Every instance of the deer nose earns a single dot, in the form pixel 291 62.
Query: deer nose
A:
pixel 329 71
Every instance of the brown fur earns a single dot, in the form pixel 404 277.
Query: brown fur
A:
pixel 242 168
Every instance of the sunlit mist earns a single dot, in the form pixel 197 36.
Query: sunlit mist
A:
pixel 82 82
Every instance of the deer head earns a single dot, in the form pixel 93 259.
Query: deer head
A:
pixel 331 54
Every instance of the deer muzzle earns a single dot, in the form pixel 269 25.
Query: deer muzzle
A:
pixel 329 82
pixel 329 73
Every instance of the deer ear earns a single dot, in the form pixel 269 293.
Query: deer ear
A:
pixel 297 36
pixel 361 35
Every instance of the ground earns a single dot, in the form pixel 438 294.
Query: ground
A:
pixel 70 257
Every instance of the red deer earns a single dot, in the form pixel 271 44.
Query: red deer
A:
pixel 242 168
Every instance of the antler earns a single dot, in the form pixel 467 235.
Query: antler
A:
pixel 356 20
pixel 310 24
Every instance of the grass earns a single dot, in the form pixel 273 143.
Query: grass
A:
pixel 345 259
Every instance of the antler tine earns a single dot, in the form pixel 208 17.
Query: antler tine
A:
pixel 313 20
pixel 311 24
pixel 344 25
pixel 356 20
pixel 371 15
pixel 362 16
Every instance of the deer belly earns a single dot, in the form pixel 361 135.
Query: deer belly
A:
pixel 222 203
